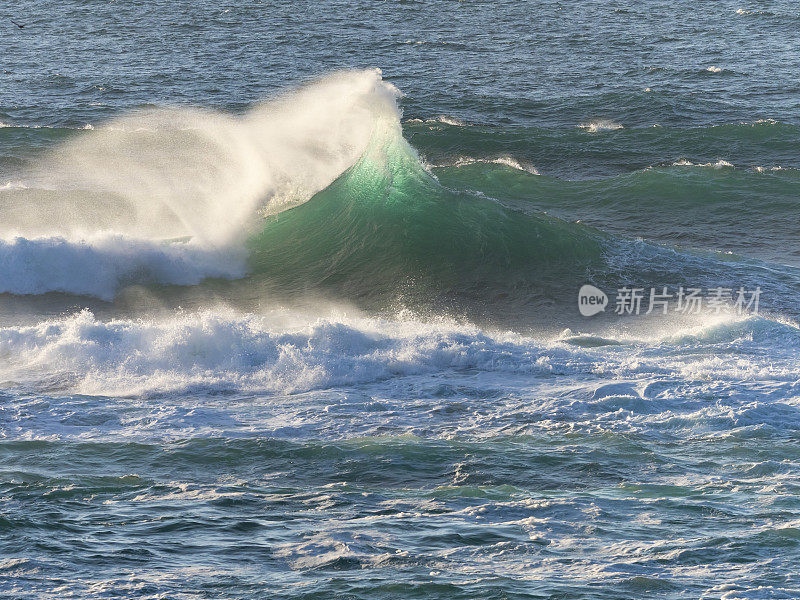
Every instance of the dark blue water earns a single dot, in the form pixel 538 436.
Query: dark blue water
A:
pixel 495 62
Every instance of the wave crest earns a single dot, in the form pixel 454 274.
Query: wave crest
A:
pixel 92 215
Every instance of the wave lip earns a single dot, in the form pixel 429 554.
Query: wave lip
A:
pixel 100 265
pixel 175 171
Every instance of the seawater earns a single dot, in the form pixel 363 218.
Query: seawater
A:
pixel 288 300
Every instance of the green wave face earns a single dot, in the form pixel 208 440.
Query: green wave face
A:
pixel 498 244
pixel 387 223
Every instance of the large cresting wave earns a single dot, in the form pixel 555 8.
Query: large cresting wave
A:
pixel 168 195
pixel 178 195
pixel 317 195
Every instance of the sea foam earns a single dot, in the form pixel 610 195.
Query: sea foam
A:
pixel 99 265
pixel 220 349
pixel 279 352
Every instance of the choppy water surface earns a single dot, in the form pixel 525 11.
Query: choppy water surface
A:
pixel 276 324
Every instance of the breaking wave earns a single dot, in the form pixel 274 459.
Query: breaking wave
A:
pixel 318 193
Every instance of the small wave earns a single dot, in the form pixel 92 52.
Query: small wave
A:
pixel 14 185
pixel 759 169
pixel 101 265
pixel 744 11
pixel 713 69
pixel 218 350
pixel 449 121
pixel 720 164
pixel 441 119
pixel 586 340
pixel 87 126
pixel 729 329
pixel 601 125
pixel 507 161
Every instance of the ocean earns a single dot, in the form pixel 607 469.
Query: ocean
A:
pixel 393 300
